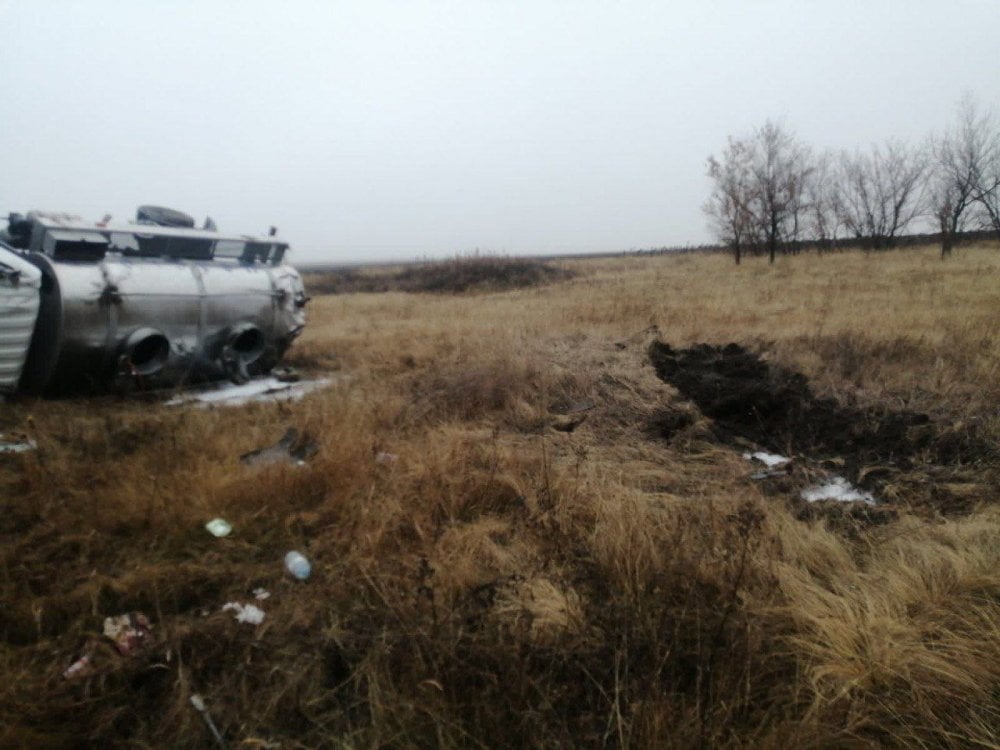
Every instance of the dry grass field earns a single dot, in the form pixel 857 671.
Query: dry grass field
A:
pixel 522 537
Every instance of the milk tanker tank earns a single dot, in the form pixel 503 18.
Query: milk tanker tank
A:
pixel 152 303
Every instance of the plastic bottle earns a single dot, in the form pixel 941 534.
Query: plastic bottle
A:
pixel 297 564
pixel 219 527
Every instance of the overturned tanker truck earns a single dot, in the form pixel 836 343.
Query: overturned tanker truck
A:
pixel 88 307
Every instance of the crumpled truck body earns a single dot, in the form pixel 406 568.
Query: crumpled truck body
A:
pixel 165 322
pixel 145 306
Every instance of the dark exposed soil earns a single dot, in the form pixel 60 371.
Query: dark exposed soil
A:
pixel 775 408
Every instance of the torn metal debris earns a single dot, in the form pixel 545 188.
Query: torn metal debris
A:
pixel 91 306
pixel 16 444
pixel 261 390
pixel 292 448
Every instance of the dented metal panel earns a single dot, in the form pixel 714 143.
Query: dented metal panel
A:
pixel 19 289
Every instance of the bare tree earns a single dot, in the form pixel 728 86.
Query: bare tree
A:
pixel 821 195
pixel 961 172
pixel 758 193
pixel 779 165
pixel 988 192
pixel 800 175
pixel 881 192
pixel 979 139
pixel 727 206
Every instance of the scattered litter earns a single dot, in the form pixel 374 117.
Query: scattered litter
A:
pixel 386 458
pixel 297 564
pixel 80 668
pixel 199 705
pixel 263 390
pixel 770 460
pixel 16 444
pixel 837 488
pixel 261 594
pixel 292 448
pixel 248 613
pixel 219 527
pixel 130 631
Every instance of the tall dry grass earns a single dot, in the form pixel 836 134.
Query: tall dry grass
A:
pixel 502 583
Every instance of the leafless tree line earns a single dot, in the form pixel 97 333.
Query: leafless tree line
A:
pixel 771 193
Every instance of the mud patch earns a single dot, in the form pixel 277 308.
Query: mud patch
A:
pixel 668 421
pixel 773 407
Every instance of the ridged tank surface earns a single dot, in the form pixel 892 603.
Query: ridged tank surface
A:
pixel 20 284
pixel 91 311
pixel 143 306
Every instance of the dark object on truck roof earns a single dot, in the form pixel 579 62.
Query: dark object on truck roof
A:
pixel 163 217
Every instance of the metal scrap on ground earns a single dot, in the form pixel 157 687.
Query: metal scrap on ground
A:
pixel 16 444
pixel 292 448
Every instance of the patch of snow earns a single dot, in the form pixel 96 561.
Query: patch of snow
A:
pixel 248 613
pixel 262 390
pixel 770 460
pixel 261 594
pixel 837 488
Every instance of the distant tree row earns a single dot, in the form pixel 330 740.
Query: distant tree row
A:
pixel 771 193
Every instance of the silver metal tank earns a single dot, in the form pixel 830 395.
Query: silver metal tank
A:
pixel 20 284
pixel 157 306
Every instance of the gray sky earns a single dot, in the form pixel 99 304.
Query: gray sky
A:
pixel 376 130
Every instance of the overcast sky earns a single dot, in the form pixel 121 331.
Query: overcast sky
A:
pixel 376 130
